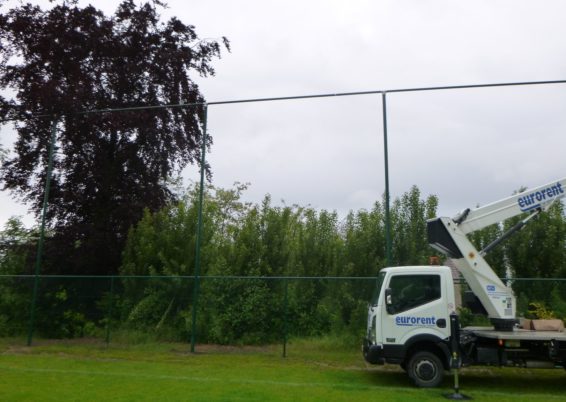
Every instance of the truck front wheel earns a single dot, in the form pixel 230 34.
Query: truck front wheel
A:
pixel 425 369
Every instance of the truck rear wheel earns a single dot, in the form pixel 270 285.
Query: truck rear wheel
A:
pixel 425 369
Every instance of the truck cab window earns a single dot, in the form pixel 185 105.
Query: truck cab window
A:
pixel 410 291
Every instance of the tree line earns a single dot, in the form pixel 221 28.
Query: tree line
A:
pixel 248 249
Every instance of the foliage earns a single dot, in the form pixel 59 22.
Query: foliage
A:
pixel 540 311
pixel 260 241
pixel 558 302
pixel 15 254
pixel 108 167
pixel 62 307
pixel 408 220
pixel 539 251
pixel 467 318
pixel 495 258
pixel 263 241
pixel 15 247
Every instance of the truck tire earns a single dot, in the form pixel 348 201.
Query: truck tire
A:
pixel 425 369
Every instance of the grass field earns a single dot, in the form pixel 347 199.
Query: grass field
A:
pixel 315 370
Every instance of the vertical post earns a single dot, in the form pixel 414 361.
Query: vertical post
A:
pixel 109 316
pixel 285 308
pixel 196 284
pixel 388 253
pixel 42 229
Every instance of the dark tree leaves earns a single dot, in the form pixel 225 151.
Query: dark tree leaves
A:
pixel 108 167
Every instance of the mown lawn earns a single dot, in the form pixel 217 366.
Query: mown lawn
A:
pixel 315 370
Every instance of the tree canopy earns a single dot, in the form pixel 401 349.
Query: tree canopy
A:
pixel 57 63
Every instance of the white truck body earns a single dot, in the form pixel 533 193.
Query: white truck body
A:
pixel 410 314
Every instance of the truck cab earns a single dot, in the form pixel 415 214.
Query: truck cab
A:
pixel 408 321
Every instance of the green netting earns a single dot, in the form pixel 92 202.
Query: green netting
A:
pixel 230 310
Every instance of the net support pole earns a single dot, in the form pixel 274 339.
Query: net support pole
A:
pixel 42 229
pixel 387 197
pixel 196 283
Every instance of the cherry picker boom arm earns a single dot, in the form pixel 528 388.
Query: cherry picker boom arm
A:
pixel 449 236
pixel 539 198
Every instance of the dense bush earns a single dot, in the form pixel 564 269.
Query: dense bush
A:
pixel 262 242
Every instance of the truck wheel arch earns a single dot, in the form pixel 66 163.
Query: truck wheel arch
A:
pixel 430 343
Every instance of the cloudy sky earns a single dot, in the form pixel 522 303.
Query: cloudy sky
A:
pixel 468 147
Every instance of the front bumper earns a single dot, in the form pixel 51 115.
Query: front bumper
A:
pixel 373 353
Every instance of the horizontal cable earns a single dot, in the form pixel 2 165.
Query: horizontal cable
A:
pixel 297 97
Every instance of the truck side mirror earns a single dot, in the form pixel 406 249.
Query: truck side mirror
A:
pixel 388 300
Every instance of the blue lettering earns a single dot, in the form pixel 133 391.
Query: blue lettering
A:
pixel 414 321
pixel 550 192
pixel 533 200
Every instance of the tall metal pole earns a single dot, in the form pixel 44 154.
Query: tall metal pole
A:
pixel 386 158
pixel 42 229
pixel 196 284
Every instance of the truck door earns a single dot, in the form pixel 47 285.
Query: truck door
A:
pixel 415 304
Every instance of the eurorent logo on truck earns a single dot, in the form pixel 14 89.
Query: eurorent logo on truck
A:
pixel 533 200
pixel 408 321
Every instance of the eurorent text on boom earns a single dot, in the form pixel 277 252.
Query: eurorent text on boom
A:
pixel 533 200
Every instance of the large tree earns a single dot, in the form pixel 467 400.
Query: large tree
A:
pixel 108 167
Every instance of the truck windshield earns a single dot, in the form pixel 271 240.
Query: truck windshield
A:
pixel 377 290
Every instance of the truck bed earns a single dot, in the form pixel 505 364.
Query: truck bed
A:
pixel 517 334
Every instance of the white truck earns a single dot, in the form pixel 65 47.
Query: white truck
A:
pixel 410 315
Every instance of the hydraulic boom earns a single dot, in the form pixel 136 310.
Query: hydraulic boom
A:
pixel 449 236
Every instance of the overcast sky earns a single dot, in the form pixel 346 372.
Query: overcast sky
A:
pixel 468 147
